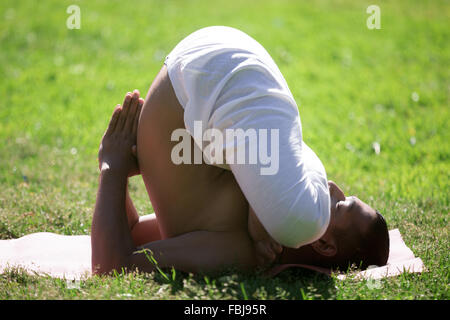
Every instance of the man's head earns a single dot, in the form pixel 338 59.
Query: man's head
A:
pixel 356 234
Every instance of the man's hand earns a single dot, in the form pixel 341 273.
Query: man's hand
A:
pixel 117 150
pixel 267 249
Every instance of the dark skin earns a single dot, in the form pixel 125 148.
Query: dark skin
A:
pixel 202 220
pixel 111 239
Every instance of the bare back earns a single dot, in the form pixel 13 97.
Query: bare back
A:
pixel 185 197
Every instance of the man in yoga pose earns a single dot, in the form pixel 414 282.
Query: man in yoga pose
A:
pixel 212 215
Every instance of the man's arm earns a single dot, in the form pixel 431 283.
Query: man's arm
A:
pixel 144 229
pixel 132 215
pixel 111 238
pixel 199 251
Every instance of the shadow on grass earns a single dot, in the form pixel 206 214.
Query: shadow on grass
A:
pixel 296 283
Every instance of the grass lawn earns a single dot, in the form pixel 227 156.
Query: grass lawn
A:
pixel 356 88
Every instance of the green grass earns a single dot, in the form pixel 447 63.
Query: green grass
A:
pixel 354 87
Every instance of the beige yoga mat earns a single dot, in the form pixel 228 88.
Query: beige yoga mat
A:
pixel 70 257
pixel 50 254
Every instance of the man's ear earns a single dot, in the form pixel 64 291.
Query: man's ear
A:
pixel 325 246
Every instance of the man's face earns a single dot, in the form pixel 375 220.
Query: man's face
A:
pixel 347 213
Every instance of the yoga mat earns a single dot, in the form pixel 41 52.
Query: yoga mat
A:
pixel 50 254
pixel 69 257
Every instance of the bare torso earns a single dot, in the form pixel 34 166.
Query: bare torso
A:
pixel 203 220
pixel 185 197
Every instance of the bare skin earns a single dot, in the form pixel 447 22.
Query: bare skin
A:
pixel 201 213
pixel 203 221
pixel 179 203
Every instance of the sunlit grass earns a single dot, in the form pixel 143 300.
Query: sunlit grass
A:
pixel 354 87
